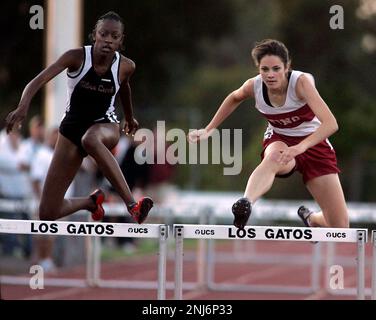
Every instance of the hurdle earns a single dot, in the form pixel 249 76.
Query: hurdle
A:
pixel 93 229
pixel 227 232
pixel 313 259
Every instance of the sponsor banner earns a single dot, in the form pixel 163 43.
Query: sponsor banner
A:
pixel 80 228
pixel 269 233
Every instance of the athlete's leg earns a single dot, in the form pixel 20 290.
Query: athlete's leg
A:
pixel 98 140
pixel 64 165
pixel 327 192
pixel 262 178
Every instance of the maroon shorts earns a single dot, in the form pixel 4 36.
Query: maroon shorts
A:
pixel 317 161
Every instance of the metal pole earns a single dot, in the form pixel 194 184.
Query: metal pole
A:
pixel 97 260
pixel 201 253
pixel 210 256
pixel 373 296
pixel 361 264
pixel 163 233
pixel 89 260
pixel 179 237
pixel 316 265
pixel 330 251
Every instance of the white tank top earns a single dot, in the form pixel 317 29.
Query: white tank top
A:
pixel 295 118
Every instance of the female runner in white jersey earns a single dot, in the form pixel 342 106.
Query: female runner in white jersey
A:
pixel 299 123
pixel 95 75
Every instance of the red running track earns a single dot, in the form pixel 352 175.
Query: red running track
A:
pixel 145 268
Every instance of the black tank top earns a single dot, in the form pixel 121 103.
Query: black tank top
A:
pixel 91 96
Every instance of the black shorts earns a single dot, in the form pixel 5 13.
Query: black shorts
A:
pixel 75 130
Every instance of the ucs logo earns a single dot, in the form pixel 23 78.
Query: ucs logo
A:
pixel 336 235
pixel 205 232
pixel 138 230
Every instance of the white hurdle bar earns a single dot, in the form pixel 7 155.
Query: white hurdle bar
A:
pixel 90 229
pixel 227 232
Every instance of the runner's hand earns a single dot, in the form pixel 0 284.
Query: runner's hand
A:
pixel 15 118
pixel 197 135
pixel 131 126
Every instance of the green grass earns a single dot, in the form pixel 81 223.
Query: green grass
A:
pixel 142 248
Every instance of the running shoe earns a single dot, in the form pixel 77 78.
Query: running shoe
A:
pixel 98 198
pixel 241 210
pixel 304 213
pixel 140 210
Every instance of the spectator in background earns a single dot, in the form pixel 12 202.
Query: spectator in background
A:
pixel 159 176
pixel 14 185
pixel 85 179
pixel 26 151
pixel 137 174
pixel 13 182
pixel 30 146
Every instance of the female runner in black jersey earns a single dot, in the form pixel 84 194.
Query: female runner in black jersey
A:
pixel 95 74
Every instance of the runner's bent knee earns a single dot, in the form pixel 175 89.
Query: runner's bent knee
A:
pixel 271 160
pixel 106 135
pixel 89 142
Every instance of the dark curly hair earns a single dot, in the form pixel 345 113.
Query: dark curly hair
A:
pixel 111 15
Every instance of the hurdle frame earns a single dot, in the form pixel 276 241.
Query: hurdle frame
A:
pixel 358 236
pixel 314 257
pixel 331 255
pixel 155 231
